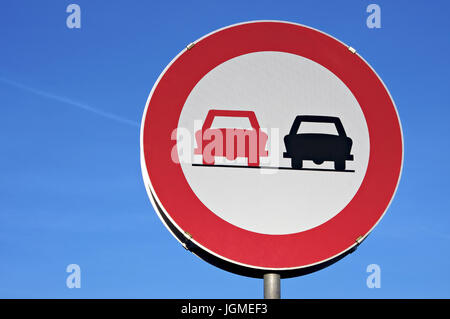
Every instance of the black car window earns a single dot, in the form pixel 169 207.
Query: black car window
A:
pixel 317 128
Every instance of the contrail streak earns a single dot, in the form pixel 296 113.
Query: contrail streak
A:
pixel 66 100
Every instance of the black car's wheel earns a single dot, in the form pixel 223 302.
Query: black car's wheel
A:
pixel 318 162
pixel 297 163
pixel 339 165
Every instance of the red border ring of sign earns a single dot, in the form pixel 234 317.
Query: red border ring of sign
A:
pixel 167 183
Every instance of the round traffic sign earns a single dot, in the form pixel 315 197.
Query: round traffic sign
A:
pixel 270 146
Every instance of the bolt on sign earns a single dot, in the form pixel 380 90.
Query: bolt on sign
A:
pixel 269 146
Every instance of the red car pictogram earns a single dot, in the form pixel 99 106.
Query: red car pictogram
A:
pixel 231 142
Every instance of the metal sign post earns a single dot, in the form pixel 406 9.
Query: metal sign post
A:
pixel 272 286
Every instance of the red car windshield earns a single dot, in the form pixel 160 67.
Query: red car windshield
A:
pixel 231 122
pixel 212 114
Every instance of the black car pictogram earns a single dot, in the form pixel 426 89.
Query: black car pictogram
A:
pixel 318 147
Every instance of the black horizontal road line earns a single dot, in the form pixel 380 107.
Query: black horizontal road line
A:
pixel 272 167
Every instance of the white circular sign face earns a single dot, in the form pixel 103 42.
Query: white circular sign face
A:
pixel 277 87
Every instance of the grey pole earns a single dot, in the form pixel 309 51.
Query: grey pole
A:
pixel 272 286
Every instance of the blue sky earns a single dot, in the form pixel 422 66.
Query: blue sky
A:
pixel 71 189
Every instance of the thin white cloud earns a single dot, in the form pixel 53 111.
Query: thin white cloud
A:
pixel 68 101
